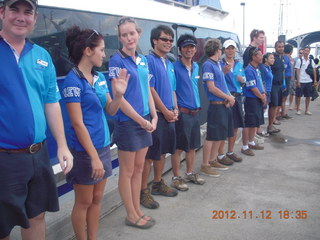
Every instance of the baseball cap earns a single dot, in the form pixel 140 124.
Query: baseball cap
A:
pixel 187 42
pixel 229 43
pixel 33 3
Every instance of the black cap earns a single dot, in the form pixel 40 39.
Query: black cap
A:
pixel 187 42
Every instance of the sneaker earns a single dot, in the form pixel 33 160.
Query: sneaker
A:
pixel 179 183
pixel 256 147
pixel 263 134
pixel 279 118
pixel 258 139
pixel 147 200
pixel 272 130
pixel 225 161
pixel 160 188
pixel 234 157
pixel 308 113
pixel 298 112
pixel 247 152
pixel 209 171
pixel 194 178
pixel 218 166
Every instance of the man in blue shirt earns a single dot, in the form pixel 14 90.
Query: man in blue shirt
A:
pixel 28 99
pixel 163 86
pixel 188 125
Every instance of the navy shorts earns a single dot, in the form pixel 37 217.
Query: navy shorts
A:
pixel 82 170
pixel 130 137
pixel 188 132
pixel 276 96
pixel 253 108
pixel 219 123
pixel 305 90
pixel 27 188
pixel 237 113
pixel 285 93
pixel 163 138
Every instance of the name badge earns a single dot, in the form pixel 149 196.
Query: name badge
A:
pixel 102 83
pixel 42 63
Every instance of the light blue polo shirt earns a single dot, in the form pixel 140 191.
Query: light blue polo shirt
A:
pixel 253 80
pixel 162 78
pixel 137 92
pixel 187 85
pixel 26 86
pixel 93 99
pixel 232 77
pixel 212 71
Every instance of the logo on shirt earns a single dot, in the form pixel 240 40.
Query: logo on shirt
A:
pixel 208 75
pixel 114 72
pixel 102 83
pixel 251 83
pixel 71 92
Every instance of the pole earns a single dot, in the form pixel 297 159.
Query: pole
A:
pixel 243 4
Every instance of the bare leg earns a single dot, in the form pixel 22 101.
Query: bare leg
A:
pixel 158 168
pixel 215 148
pixel 37 229
pixel 283 106
pixel 307 103
pixel 206 152
pixel 175 161
pixel 220 150
pixel 252 133
pixel 271 115
pixel 146 173
pixel 298 103
pixel 245 136
pixel 232 140
pixel 190 158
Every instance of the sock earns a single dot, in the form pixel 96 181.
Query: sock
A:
pixel 189 173
pixel 252 143
pixel 229 153
pixel 220 156
pixel 245 147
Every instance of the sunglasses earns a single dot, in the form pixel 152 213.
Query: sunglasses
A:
pixel 94 32
pixel 125 19
pixel 166 39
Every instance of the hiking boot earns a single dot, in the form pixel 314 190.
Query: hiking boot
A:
pixel 247 152
pixel 225 161
pixel 218 166
pixel 179 183
pixel 256 147
pixel 194 178
pixel 286 116
pixel 209 171
pixel 147 200
pixel 234 157
pixel 160 188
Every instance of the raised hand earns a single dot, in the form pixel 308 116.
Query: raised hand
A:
pixel 121 83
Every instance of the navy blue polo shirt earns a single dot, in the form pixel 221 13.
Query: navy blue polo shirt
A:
pixel 162 79
pixel 187 85
pixel 93 99
pixel 232 77
pixel 268 77
pixel 26 86
pixel 212 71
pixel 253 80
pixel 278 70
pixel 137 92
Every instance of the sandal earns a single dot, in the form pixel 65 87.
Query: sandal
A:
pixel 151 219
pixel 147 225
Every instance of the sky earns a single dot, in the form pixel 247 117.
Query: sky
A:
pixel 299 16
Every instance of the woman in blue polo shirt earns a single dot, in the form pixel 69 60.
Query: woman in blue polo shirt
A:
pixel 133 123
pixel 85 93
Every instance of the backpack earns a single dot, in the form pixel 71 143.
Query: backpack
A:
pixel 309 70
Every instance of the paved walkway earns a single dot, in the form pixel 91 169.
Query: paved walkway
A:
pixel 271 190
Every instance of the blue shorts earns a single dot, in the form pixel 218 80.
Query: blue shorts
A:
pixel 237 113
pixel 253 108
pixel 130 137
pixel 276 96
pixel 163 138
pixel 219 123
pixel 82 170
pixel 27 188
pixel 305 90
pixel 188 132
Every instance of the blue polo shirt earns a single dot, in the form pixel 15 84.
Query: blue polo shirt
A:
pixel 287 66
pixel 212 71
pixel 253 77
pixel 278 70
pixel 187 85
pixel 162 78
pixel 268 76
pixel 26 86
pixel 232 77
pixel 137 92
pixel 93 99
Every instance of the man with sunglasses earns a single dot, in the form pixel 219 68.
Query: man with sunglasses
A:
pixel 28 99
pixel 163 86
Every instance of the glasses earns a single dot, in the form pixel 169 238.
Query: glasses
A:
pixel 126 19
pixel 94 32
pixel 166 39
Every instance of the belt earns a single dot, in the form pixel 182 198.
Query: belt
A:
pixel 33 148
pixel 235 94
pixel 189 111
pixel 217 102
